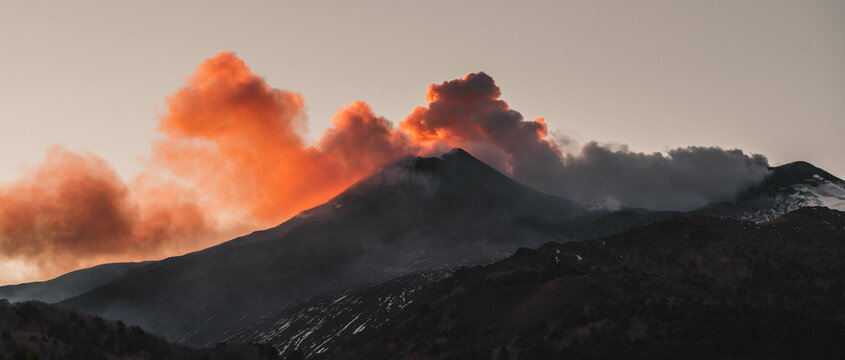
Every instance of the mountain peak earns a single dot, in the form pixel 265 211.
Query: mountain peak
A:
pixel 453 158
pixel 455 171
pixel 458 152
pixel 797 172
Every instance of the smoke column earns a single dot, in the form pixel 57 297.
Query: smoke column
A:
pixel 236 138
pixel 231 158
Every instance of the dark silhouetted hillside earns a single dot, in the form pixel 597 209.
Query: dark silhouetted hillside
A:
pixel 690 287
pixel 34 330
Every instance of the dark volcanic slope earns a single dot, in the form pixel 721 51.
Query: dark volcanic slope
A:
pixel 67 285
pixel 416 215
pixel 34 330
pixel 688 287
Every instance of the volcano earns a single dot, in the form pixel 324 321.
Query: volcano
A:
pixel 414 216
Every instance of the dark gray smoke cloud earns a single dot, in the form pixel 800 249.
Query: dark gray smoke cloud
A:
pixel 683 179
pixel 468 113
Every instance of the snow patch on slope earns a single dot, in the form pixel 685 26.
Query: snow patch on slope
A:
pixel 822 193
pixel 315 325
pixel 815 191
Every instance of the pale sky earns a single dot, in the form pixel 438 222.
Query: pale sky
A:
pixel 763 76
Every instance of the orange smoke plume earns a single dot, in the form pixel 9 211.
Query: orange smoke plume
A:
pixel 73 211
pixel 238 140
pixel 231 158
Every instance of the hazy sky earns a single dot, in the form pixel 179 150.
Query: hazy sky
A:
pixel 764 76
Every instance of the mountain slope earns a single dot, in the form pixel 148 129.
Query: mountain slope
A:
pixel 789 187
pixel 68 285
pixel 418 214
pixel 687 287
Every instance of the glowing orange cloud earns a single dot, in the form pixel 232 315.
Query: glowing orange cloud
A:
pixel 72 210
pixel 237 139
pixel 231 158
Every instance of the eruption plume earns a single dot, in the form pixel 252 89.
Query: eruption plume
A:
pixel 238 140
pixel 468 113
pixel 231 158
pixel 229 136
pixel 73 211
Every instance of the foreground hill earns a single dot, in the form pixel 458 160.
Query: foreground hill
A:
pixel 416 215
pixel 687 287
pixel 34 330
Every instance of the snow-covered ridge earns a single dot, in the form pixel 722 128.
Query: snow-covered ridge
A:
pixel 820 192
pixel 777 198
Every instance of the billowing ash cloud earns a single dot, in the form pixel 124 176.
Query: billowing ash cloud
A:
pixel 468 113
pixel 72 210
pixel 683 179
pixel 231 157
pixel 239 141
